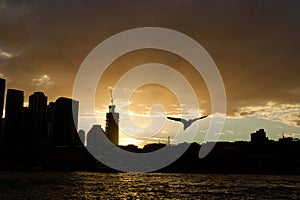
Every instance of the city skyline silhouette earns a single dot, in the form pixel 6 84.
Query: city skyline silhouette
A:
pixel 105 99
pixel 45 135
pixel 254 45
pixel 38 107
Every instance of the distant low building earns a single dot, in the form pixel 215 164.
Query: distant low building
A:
pixel 153 147
pixel 95 137
pixel 131 148
pixel 259 136
pixel 288 140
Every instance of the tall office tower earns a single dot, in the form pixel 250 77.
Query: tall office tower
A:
pixel 2 93
pixel 38 120
pixel 14 113
pixel 112 124
pixel 64 125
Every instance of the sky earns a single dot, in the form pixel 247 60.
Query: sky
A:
pixel 254 43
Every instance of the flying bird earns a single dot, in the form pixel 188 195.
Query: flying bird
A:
pixel 186 123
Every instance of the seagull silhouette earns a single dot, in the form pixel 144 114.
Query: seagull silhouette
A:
pixel 186 123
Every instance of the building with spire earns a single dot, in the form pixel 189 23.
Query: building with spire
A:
pixel 112 123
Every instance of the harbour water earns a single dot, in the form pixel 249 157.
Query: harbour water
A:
pixel 92 185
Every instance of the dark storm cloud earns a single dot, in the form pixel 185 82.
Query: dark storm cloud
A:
pixel 254 43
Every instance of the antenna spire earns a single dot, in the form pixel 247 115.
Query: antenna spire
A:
pixel 111 96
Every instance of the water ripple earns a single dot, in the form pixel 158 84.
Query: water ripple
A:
pixel 89 185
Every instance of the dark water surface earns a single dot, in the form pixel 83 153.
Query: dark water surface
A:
pixel 90 185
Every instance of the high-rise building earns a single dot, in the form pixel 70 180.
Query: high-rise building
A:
pixel 112 125
pixel 2 93
pixel 14 113
pixel 38 120
pixel 64 124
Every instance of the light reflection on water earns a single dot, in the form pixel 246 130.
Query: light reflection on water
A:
pixel 90 185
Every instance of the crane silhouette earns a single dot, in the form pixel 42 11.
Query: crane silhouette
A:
pixel 186 123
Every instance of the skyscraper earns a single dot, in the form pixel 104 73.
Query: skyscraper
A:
pixel 2 93
pixel 14 112
pixel 64 125
pixel 38 120
pixel 112 125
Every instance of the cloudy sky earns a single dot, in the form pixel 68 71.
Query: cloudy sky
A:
pixel 254 43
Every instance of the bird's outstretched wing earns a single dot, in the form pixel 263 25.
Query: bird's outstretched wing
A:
pixel 177 119
pixel 193 120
